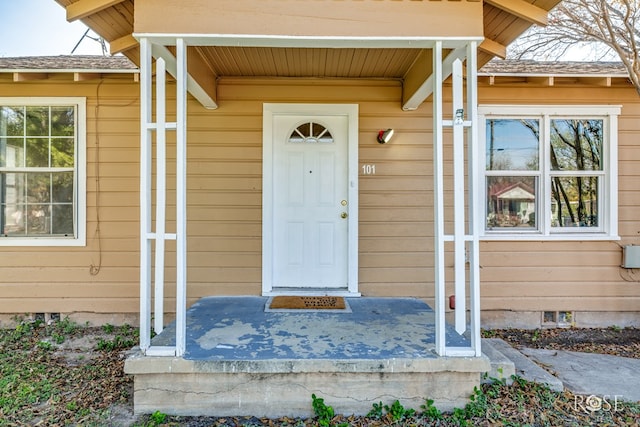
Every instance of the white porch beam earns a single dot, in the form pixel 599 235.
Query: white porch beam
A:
pixel 424 90
pixel 338 42
pixel 493 48
pixel 83 8
pixel 201 82
pixel 522 9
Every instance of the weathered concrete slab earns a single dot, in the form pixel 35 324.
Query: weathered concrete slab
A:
pixel 241 360
pixel 592 374
pixel 525 367
pixel 278 388
pixel 238 328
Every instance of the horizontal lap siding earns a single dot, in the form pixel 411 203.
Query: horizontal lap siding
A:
pixel 59 279
pixel 225 186
pixel 579 276
pixel 225 205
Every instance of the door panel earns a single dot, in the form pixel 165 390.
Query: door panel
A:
pixel 310 245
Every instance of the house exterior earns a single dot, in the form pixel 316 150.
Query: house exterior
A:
pixel 239 150
pixel 89 267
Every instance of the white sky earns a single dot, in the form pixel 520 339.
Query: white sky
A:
pixel 40 27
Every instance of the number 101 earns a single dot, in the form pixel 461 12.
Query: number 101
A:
pixel 368 169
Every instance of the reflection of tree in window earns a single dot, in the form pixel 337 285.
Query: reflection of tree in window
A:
pixel 38 200
pixel 576 145
pixel 511 197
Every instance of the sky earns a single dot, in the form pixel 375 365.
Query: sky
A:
pixel 40 27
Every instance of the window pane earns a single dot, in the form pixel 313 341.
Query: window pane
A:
pixel 38 187
pixel 37 153
pixel 38 218
pixel 62 187
pixel 576 144
pixel 37 121
pixel 11 121
pixel 512 144
pixel 62 219
pixel 12 218
pixel 511 202
pixel 12 152
pixel 62 153
pixel 574 201
pixel 62 121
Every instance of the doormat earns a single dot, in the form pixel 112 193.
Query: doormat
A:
pixel 311 303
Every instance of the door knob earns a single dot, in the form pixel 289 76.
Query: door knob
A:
pixel 344 215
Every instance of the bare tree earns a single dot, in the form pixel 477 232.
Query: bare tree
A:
pixel 610 27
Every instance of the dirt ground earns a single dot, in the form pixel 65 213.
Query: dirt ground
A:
pixel 88 367
pixel 624 342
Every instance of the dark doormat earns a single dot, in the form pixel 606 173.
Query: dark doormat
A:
pixel 291 303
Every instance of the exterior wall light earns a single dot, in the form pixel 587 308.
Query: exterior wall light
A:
pixel 385 136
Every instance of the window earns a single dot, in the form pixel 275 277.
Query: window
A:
pixel 549 171
pixel 42 171
pixel 310 133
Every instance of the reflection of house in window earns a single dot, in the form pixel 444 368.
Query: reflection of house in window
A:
pixel 513 204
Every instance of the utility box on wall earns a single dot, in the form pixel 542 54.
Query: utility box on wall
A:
pixel 631 256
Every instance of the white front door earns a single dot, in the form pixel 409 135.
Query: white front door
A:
pixel 309 207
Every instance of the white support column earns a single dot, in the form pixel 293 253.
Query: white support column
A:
pixel 161 195
pixel 459 244
pixel 145 194
pixel 474 202
pixel 438 202
pixel 147 234
pixel 181 196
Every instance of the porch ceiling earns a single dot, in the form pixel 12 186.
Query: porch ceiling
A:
pixel 504 20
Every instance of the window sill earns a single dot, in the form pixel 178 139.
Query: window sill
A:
pixel 553 237
pixel 40 242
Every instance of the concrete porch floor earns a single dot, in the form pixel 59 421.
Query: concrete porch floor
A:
pixel 243 360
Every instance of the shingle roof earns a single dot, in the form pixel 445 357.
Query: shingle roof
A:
pixel 496 67
pixel 550 68
pixel 67 63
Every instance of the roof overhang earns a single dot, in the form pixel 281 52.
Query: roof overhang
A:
pixel 310 38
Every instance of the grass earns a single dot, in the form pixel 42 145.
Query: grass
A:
pixel 39 385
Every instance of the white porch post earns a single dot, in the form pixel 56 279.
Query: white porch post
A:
pixel 474 202
pixel 145 194
pixel 159 127
pixel 438 200
pixel 465 234
pixel 181 197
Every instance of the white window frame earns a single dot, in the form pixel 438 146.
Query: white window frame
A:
pixel 80 173
pixel 608 182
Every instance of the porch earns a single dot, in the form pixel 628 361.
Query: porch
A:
pixel 242 359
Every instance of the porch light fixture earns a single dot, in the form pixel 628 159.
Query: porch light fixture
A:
pixel 385 136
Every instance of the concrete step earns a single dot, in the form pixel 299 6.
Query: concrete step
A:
pixel 524 367
pixel 501 366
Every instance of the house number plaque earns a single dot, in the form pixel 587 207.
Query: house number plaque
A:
pixel 368 169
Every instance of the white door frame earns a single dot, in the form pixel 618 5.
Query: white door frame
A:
pixel 351 112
